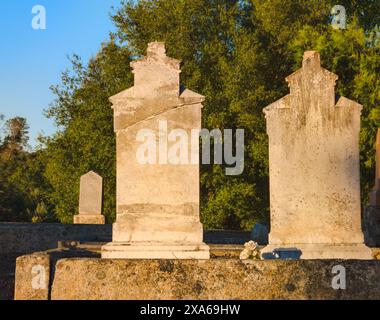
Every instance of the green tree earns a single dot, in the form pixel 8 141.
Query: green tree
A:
pixel 16 137
pixel 23 189
pixel 85 140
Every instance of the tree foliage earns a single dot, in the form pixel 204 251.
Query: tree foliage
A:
pixel 23 189
pixel 86 140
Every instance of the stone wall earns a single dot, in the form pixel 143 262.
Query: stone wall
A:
pixel 212 279
pixel 22 238
pixel 18 239
pixel 217 278
pixel 27 237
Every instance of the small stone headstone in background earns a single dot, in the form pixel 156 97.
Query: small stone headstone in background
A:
pixel 90 200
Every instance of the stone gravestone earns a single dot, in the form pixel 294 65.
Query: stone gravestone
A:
pixel 314 169
pixel 90 200
pixel 157 192
pixel 371 217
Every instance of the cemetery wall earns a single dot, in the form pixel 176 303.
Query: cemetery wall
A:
pixel 213 279
pixel 27 237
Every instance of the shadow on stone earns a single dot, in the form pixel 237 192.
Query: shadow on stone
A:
pixel 260 234
pixel 283 253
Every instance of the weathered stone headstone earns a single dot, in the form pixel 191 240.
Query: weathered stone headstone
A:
pixel 371 217
pixel 157 200
pixel 90 200
pixel 314 168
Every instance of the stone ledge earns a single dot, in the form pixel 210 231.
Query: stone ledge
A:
pixel 97 279
pixel 151 251
pixel 89 219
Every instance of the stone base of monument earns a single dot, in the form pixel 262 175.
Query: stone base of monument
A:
pixel 89 219
pixel 79 274
pixel 215 279
pixel 317 251
pixel 139 250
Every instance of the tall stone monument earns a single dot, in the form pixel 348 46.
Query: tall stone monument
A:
pixel 371 217
pixel 90 200
pixel 314 168
pixel 157 201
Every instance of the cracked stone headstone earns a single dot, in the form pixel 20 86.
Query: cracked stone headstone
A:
pixel 157 192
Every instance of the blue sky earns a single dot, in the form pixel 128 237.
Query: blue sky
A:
pixel 32 60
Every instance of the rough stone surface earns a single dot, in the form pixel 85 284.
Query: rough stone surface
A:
pixel 314 167
pixel 90 200
pixel 89 219
pixel 72 249
pixel 104 279
pixel 157 202
pixel 46 262
pixel 32 277
pixel 19 239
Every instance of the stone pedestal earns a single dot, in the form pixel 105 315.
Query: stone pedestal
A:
pixel 89 219
pixel 314 168
pixel 157 168
pixel 90 200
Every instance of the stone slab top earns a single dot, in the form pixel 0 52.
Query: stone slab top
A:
pixel 156 89
pixel 308 79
